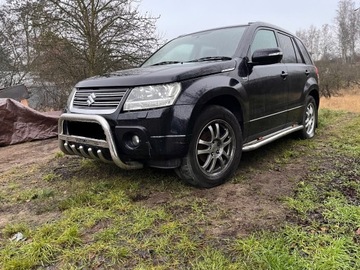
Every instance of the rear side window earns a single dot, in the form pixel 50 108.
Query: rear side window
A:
pixel 304 52
pixel 298 54
pixel 287 48
pixel 264 39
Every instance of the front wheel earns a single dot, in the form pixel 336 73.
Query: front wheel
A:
pixel 309 119
pixel 215 148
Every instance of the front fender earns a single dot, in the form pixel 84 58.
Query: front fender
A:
pixel 221 90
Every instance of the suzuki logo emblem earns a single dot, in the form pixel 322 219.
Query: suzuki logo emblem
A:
pixel 91 99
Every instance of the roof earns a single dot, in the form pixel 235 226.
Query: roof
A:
pixel 18 92
pixel 255 24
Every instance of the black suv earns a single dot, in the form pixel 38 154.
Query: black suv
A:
pixel 197 103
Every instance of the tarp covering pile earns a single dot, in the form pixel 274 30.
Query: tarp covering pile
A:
pixel 19 123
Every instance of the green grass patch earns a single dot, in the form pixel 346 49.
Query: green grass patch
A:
pixel 297 248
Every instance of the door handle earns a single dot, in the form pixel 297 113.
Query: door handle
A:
pixel 307 73
pixel 284 74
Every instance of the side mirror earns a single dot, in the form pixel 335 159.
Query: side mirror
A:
pixel 266 56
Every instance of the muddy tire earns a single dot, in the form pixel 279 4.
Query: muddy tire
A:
pixel 215 149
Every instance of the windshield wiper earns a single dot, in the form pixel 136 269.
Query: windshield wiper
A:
pixel 166 63
pixel 212 58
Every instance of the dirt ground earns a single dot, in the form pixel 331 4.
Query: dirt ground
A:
pixel 248 204
pixel 23 154
pixel 252 204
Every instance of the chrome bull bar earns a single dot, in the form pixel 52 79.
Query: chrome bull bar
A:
pixel 68 142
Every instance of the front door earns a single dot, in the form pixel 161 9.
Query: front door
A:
pixel 267 90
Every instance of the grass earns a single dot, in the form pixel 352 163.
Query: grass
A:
pixel 297 248
pixel 348 101
pixel 101 224
pixel 95 216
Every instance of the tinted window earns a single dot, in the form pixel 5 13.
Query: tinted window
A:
pixel 288 49
pixel 298 54
pixel 264 39
pixel 304 52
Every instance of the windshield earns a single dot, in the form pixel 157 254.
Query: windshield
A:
pixel 219 44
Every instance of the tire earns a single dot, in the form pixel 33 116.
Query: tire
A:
pixel 215 149
pixel 310 117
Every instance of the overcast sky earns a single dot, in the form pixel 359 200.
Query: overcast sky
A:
pixel 184 16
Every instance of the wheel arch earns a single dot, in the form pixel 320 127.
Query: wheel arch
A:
pixel 312 89
pixel 315 94
pixel 224 97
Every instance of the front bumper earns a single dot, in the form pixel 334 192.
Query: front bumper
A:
pixel 93 136
pixel 101 149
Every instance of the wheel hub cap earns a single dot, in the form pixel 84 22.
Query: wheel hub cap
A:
pixel 216 147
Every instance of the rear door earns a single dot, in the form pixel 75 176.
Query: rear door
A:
pixel 298 74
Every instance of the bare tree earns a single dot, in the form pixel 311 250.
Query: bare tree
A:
pixel 15 43
pixel 90 37
pixel 320 42
pixel 334 49
pixel 4 65
pixel 311 39
pixel 59 42
pixel 347 20
pixel 328 47
pixel 105 35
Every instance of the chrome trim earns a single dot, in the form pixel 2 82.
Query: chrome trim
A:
pixel 91 153
pixel 275 54
pixel 93 96
pixel 168 136
pixel 73 148
pixel 90 111
pixel 228 69
pixel 91 99
pixel 83 153
pixel 253 145
pixel 270 115
pixel 109 143
pixel 101 156
pixel 67 148
pixel 83 140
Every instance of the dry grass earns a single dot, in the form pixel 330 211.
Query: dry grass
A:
pixel 347 101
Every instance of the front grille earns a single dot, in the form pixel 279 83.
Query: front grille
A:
pixel 100 98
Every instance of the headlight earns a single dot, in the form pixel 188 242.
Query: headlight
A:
pixel 153 96
pixel 70 98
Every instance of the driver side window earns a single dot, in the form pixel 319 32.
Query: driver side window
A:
pixel 264 39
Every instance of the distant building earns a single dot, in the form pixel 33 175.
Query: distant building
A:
pixel 40 95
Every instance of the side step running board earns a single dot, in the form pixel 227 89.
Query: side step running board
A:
pixel 253 145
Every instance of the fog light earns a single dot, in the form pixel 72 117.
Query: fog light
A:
pixel 135 140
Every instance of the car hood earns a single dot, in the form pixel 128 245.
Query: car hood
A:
pixel 158 74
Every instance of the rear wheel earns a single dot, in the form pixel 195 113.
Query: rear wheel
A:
pixel 215 148
pixel 309 119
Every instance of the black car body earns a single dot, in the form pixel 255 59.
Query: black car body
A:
pixel 197 103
